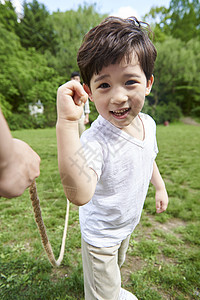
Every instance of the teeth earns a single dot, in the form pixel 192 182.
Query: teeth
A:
pixel 120 111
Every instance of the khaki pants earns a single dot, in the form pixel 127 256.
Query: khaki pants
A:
pixel 101 269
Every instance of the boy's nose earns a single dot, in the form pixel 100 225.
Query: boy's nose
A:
pixel 118 98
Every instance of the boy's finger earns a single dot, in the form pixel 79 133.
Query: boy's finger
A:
pixel 74 89
pixel 80 100
pixel 159 207
pixel 164 206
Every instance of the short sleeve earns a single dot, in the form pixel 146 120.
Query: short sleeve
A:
pixel 150 127
pixel 155 149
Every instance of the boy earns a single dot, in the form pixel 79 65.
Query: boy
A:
pixel 109 171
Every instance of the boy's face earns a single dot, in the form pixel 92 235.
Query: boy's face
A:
pixel 119 91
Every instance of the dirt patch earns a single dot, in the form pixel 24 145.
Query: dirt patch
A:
pixel 189 121
pixel 134 263
pixel 61 272
pixel 131 265
pixel 168 226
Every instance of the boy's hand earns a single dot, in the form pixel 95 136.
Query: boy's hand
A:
pixel 71 98
pixel 161 200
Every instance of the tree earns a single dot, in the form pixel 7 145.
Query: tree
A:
pixel 181 20
pixel 8 16
pixel 9 46
pixel 176 74
pixel 35 28
pixel 30 59
pixel 25 78
pixel 71 26
pixel 184 19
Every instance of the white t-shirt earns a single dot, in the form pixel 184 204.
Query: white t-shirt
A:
pixel 124 168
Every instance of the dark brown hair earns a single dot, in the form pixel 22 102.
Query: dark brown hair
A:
pixel 111 41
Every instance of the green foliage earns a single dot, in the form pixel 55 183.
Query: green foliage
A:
pixel 176 79
pixel 177 66
pixel 71 26
pixel 170 112
pixel 196 112
pixel 184 19
pixel 38 52
pixel 35 29
pixel 163 112
pixel 5 107
pixel 25 78
pixel 33 53
pixel 93 112
pixel 24 120
pixel 180 20
pixel 8 16
pixel 147 108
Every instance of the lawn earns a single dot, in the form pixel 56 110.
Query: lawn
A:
pixel 163 259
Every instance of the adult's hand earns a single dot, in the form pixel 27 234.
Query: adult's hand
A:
pixel 19 170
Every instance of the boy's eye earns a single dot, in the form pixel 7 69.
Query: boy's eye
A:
pixel 130 82
pixel 104 85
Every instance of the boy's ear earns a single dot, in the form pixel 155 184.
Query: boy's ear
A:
pixel 149 85
pixel 88 91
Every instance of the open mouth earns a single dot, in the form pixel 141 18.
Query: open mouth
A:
pixel 121 112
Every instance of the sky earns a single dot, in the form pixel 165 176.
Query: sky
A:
pixel 120 8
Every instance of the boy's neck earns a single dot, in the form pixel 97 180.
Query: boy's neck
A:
pixel 136 129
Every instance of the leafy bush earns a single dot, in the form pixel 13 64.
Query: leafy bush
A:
pixel 5 107
pixel 147 109
pixel 93 112
pixel 170 112
pixel 18 121
pixel 196 112
pixel 25 121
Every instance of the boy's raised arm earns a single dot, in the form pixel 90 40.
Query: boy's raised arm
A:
pixel 79 181
pixel 161 193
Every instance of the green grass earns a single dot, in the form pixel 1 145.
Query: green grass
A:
pixel 163 259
